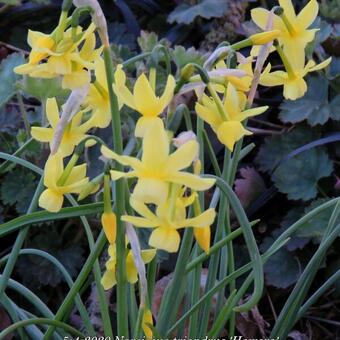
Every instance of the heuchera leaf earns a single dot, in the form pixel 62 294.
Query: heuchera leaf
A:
pixel 250 186
pixel 184 56
pixel 283 268
pixel 7 77
pixel 17 188
pixel 315 227
pixel 186 14
pixel 313 106
pixel 298 176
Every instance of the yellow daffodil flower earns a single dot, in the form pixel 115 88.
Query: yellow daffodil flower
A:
pixel 294 86
pixel 228 129
pixel 157 168
pixel 168 218
pixel 98 97
pixel 73 134
pixel 240 83
pixel 109 277
pixel 295 34
pixel 147 319
pixel 62 58
pixel 144 99
pixel 52 198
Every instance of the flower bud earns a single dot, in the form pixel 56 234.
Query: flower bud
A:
pixel 109 223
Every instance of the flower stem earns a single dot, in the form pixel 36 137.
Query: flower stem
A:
pixel 122 317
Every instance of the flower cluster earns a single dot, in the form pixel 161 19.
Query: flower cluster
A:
pixel 163 179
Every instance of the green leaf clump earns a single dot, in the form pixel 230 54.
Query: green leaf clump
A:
pixel 186 14
pixel 299 175
pixel 8 78
pixel 314 106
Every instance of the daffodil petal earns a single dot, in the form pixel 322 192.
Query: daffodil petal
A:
pixel 202 236
pixel 124 160
pixel 131 270
pixel 165 238
pixel 230 132
pixel 295 89
pixel 260 18
pixel 140 222
pixel 77 173
pixel 168 93
pixel 109 279
pixel 201 221
pixel 148 255
pixel 183 156
pixel 155 146
pixel 320 66
pixel 143 210
pixel 149 190
pixel 251 112
pixel 308 14
pixel 51 200
pixel 192 181
pixel 145 123
pixel 289 10
pixel 52 111
pixel 145 99
pixel 42 134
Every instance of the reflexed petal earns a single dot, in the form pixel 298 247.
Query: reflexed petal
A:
pixel 294 89
pixel 273 79
pixel 183 156
pixel 191 181
pixel 155 147
pixel 145 99
pixel 230 132
pixel 168 93
pixel 109 279
pixel 308 14
pixel 51 200
pixel 251 112
pixel 320 66
pixel 260 17
pixel 115 175
pixel 52 111
pixel 74 188
pixel 231 102
pixel 139 221
pixel 143 210
pixel 61 64
pixel 145 123
pixel 202 220
pixel 211 117
pixel 75 79
pixel 119 76
pixel 54 167
pixel 124 95
pixel 148 255
pixel 165 238
pixel 124 160
pixel 202 236
pixel 77 173
pixel 288 10
pixel 42 134
pixel 150 190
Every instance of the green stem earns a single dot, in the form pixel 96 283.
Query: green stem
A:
pixel 122 317
pixel 40 321
pixel 24 114
pixel 173 294
pixel 68 301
